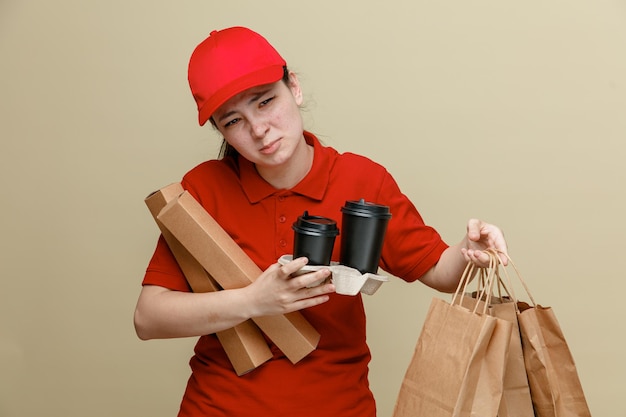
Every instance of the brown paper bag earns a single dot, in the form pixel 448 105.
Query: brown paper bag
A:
pixel 555 388
pixel 516 399
pixel 448 353
pixel 442 377
pixel 490 387
pixel 490 382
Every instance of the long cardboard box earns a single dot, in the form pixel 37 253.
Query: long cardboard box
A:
pixel 225 261
pixel 244 344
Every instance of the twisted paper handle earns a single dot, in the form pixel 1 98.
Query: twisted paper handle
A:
pixel 488 276
pixel 509 288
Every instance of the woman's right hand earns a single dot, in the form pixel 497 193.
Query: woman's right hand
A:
pixel 276 291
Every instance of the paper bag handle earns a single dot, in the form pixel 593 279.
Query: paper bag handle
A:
pixel 486 282
pixel 509 289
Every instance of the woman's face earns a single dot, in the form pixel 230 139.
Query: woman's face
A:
pixel 264 123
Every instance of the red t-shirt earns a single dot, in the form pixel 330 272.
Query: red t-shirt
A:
pixel 332 380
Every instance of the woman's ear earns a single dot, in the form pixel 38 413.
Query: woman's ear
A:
pixel 294 86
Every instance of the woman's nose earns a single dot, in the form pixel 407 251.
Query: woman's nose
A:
pixel 259 127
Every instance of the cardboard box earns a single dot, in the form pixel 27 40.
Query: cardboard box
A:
pixel 225 261
pixel 244 344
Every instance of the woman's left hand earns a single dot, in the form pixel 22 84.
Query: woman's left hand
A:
pixel 482 236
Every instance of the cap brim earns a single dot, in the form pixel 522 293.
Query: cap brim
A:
pixel 267 75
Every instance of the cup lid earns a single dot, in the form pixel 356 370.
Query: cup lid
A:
pixel 315 225
pixel 366 209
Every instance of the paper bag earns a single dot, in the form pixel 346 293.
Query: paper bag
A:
pixel 489 390
pixel 448 353
pixel 449 360
pixel 555 387
pixel 515 400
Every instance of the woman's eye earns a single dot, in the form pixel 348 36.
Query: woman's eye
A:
pixel 266 101
pixel 231 122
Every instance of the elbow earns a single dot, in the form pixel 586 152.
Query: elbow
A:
pixel 141 327
pixel 146 325
pixel 447 287
pixel 447 290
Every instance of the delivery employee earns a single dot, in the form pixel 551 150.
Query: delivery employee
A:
pixel 270 171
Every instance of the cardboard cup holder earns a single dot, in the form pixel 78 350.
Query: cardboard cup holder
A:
pixel 348 281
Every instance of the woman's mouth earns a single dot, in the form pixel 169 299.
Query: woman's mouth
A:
pixel 270 148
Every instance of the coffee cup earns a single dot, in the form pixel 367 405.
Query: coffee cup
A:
pixel 363 229
pixel 314 237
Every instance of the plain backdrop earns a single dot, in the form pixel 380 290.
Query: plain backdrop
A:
pixel 512 112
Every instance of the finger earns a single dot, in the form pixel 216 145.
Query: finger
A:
pixel 465 255
pixel 478 257
pixel 473 229
pixel 498 243
pixel 294 266
pixel 313 292
pixel 503 255
pixel 311 278
pixel 310 302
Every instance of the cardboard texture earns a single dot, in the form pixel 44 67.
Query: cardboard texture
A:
pixel 225 261
pixel 244 344
pixel 348 281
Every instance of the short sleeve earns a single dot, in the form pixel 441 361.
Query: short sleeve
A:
pixel 163 270
pixel 411 247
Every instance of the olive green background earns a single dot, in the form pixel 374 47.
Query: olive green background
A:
pixel 513 112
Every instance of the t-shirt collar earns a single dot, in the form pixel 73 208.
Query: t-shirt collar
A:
pixel 313 185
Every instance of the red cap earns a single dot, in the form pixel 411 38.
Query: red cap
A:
pixel 228 62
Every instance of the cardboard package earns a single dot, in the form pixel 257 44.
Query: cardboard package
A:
pixel 229 265
pixel 244 344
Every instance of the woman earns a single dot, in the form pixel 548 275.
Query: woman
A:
pixel 272 171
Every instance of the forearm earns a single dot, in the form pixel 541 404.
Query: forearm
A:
pixel 162 313
pixel 445 275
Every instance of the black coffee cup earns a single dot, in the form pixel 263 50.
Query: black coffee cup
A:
pixel 363 231
pixel 314 238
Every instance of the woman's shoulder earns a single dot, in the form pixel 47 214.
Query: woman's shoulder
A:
pixel 210 177
pixel 213 168
pixel 350 160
